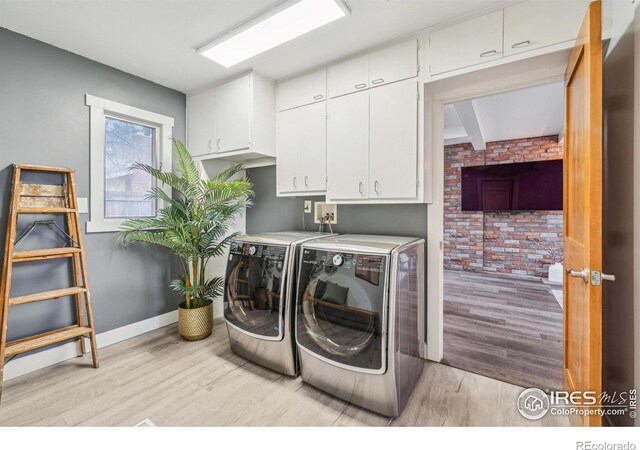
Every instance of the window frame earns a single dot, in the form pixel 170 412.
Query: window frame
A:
pixel 99 109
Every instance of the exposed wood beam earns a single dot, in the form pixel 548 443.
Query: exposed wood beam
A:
pixel 469 119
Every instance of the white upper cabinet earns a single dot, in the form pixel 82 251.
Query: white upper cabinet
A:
pixel 466 43
pixel 394 63
pixel 234 121
pixel 200 130
pixel 232 115
pixel 301 142
pixel 361 144
pixel 372 144
pixel 348 147
pixel 303 90
pixel 531 25
pixel 289 157
pixel 348 76
pixel 393 141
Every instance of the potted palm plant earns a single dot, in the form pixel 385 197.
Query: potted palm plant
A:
pixel 194 225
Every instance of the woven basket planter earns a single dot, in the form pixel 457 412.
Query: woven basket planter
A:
pixel 195 323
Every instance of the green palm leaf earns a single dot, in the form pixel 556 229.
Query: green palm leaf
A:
pixel 194 224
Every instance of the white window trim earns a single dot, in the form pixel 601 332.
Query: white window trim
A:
pixel 99 108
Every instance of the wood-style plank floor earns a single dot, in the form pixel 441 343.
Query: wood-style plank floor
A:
pixel 502 327
pixel 172 382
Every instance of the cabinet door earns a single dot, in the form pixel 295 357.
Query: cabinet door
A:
pixel 349 76
pixel 232 115
pixel 303 90
pixel 467 43
pixel 530 25
pixel 348 147
pixel 201 128
pixel 395 63
pixel 313 146
pixel 393 145
pixel 288 140
pixel 302 149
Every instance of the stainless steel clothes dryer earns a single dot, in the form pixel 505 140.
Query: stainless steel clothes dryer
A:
pixel 258 297
pixel 357 318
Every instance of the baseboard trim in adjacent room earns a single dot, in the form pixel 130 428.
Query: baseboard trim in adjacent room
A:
pixel 46 358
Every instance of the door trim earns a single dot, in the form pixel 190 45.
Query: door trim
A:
pixel 508 77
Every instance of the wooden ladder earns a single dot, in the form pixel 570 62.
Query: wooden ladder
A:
pixel 45 199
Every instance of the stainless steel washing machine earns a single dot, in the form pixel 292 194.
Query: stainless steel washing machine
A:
pixel 259 297
pixel 357 318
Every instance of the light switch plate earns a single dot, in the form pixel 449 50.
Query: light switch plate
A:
pixel 83 205
pixel 307 206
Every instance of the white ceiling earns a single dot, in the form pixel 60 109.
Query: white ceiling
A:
pixel 157 40
pixel 534 111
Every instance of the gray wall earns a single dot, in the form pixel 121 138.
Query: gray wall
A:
pixel 44 120
pixel 272 213
pixel 618 211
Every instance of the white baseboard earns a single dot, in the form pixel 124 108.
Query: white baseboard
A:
pixel 31 363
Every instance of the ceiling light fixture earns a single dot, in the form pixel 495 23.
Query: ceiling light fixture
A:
pixel 282 24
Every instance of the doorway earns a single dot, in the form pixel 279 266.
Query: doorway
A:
pixel 503 226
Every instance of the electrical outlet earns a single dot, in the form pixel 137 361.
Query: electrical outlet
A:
pixel 307 206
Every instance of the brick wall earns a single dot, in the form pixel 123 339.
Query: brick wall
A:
pixel 523 243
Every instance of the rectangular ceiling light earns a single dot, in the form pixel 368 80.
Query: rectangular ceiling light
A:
pixel 283 23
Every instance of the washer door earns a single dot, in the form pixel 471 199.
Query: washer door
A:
pixel 341 308
pixel 254 287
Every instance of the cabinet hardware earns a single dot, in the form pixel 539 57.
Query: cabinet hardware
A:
pixel 218 143
pixel 521 44
pixel 360 188
pixel 375 187
pixel 377 81
pixel 488 53
pixel 210 144
pixel 294 182
pixel 306 181
pixel 318 97
pixel 360 86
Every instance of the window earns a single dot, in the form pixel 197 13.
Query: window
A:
pixel 121 136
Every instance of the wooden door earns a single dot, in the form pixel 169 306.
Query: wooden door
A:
pixel 393 141
pixel 583 213
pixel 348 147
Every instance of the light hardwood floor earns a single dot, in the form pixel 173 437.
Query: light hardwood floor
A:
pixel 503 327
pixel 177 383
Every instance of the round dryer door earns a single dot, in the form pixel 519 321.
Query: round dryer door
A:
pixel 341 307
pixel 253 295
